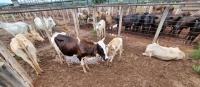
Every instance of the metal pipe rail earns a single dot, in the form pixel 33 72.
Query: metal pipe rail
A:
pixel 75 7
pixel 39 10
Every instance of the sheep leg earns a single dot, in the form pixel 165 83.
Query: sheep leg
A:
pixel 83 65
pixel 65 59
pixel 86 60
pixel 31 60
pixel 120 51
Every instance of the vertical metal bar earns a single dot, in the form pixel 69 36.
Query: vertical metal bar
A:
pixel 120 20
pixel 161 23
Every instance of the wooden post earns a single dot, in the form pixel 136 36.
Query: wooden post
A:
pixel 45 13
pixel 46 30
pixel 8 76
pixel 64 17
pixel 112 10
pixel 52 13
pixel 150 9
pixel 77 20
pixel 74 17
pixel 13 18
pixel 15 65
pixel 68 16
pixel 56 13
pixel 179 9
pixel 34 14
pixel 93 16
pixel 120 20
pixel 128 10
pixel 109 10
pixel 4 18
pixel 21 17
pixel 30 16
pixel 161 23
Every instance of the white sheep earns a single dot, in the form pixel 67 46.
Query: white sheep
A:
pixel 101 28
pixel 163 53
pixel 113 46
pixel 15 28
pixel 48 22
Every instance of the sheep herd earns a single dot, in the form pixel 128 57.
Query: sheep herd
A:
pixel 22 44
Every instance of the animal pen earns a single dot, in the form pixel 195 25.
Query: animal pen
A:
pixel 131 37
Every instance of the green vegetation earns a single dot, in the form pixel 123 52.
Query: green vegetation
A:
pixel 196 53
pixel 77 3
pixel 196 68
pixel 94 31
pixel 98 1
pixel 197 46
pixel 1 35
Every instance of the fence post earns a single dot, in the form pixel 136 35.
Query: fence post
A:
pixel 4 18
pixel 75 21
pixel 179 9
pixel 15 65
pixel 13 18
pixel 161 23
pixel 21 17
pixel 128 10
pixel 64 17
pixel 150 9
pixel 120 20
pixel 8 76
pixel 93 16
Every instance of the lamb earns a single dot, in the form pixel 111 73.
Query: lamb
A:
pixel 163 53
pixel 101 28
pixel 49 23
pixel 15 28
pixel 114 46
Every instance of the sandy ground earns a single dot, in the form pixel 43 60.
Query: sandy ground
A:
pixel 131 70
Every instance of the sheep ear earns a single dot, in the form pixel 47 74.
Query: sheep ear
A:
pixel 30 35
pixel 103 39
pixel 95 42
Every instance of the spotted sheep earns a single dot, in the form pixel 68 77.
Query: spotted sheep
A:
pixel 70 46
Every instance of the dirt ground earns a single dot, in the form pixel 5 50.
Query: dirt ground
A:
pixel 131 70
